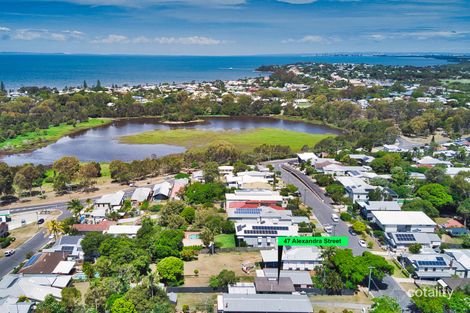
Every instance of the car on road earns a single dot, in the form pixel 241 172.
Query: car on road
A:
pixel 363 243
pixel 352 232
pixel 328 229
pixel 335 217
pixel 10 252
pixel 40 221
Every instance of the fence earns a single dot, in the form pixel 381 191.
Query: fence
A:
pixel 203 289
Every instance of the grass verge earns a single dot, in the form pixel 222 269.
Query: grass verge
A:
pixel 225 240
pixel 244 140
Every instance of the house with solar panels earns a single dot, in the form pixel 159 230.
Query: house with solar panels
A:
pixel 430 266
pixel 401 241
pixel 263 234
pixel 263 213
pixel 403 221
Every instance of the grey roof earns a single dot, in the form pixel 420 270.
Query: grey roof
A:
pixel 301 254
pixel 141 194
pixel 297 277
pixel 265 303
pixel 411 238
pixel 273 285
pixel 69 240
pixel 454 283
pixel 10 305
pixel 380 205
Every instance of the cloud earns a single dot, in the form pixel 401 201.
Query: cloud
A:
pixel 298 1
pixel 111 39
pixel 45 34
pixel 145 3
pixel 193 40
pixel 141 39
pixel 420 35
pixel 4 33
pixel 312 39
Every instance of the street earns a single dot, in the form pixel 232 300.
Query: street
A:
pixel 312 197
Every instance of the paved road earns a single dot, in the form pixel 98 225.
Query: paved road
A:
pixel 312 196
pixel 7 264
pixel 320 204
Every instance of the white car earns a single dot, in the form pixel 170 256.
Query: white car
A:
pixel 335 218
pixel 363 243
pixel 328 229
pixel 9 252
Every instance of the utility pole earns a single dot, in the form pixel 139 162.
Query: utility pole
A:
pixel 370 277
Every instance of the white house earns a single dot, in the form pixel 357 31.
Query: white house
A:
pixel 110 202
pixel 403 221
pixel 140 195
pixel 356 188
pixel 367 207
pixel 430 161
pixel 126 230
pixel 162 191
pixel 254 195
pixel 263 234
pixel 293 258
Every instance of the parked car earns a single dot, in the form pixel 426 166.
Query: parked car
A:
pixel 328 229
pixel 40 221
pixel 10 252
pixel 335 218
pixel 363 243
pixel 352 232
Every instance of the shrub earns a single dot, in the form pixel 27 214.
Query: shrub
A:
pixel 346 217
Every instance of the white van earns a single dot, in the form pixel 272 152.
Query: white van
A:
pixel 335 218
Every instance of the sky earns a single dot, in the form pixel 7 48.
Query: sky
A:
pixel 234 27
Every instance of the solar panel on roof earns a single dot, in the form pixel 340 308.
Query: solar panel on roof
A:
pixel 260 232
pixel 248 211
pixel 405 237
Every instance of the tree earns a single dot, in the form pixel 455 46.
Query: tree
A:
pixel 223 279
pixel 399 175
pixel 385 304
pixel 120 171
pixel 50 305
pixel 359 227
pixel 71 297
pixel 100 290
pixel 427 302
pixel 55 228
pixel 122 305
pixel 86 174
pixel 67 166
pixel 376 195
pixel 199 193
pixel 2 87
pixel 222 152
pixel 323 179
pixel 91 243
pixel 415 248
pixel 26 177
pixel 170 270
pixel 211 172
pixel 75 206
pixel 421 205
pixel 437 175
pixel 60 183
pixel 436 194
pixel 207 236
pixel 188 214
pixel 336 192
pixel 6 179
pixel 464 210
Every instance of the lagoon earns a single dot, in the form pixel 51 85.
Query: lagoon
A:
pixel 102 144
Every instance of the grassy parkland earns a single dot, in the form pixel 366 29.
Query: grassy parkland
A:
pixel 245 140
pixel 40 138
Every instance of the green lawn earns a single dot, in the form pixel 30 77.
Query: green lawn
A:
pixel 225 240
pixel 32 140
pixel 244 140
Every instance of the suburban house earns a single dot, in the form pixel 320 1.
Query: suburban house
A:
pixel 140 195
pixel 453 171
pixel 367 207
pixel 356 188
pixel 454 228
pixel 362 158
pixel 43 263
pixel 451 284
pixel 197 176
pixel 403 221
pixel 70 245
pixel 11 305
pixel 293 258
pixel 300 279
pixel 429 161
pixel 307 157
pixel 261 196
pixel 401 241
pixel 97 227
pixel 269 176
pixel 246 182
pixel 462 261
pixel 162 191
pixel 225 170
pixel 35 288
pixel 267 214
pixel 178 187
pixel 431 266
pixel 263 303
pixel 274 285
pixel 342 170
pixel 123 230
pixel 263 234
pixel 107 204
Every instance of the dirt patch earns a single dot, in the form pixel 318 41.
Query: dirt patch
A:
pixel 83 288
pixel 209 265
pixel 197 302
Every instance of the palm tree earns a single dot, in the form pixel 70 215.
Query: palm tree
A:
pixel 327 254
pixel 55 228
pixel 75 206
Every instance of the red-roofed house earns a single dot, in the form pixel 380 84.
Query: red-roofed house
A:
pixel 100 227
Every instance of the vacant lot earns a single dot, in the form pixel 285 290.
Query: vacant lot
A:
pixel 209 265
pixel 198 302
pixel 244 140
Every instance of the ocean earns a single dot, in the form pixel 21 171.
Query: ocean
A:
pixel 60 70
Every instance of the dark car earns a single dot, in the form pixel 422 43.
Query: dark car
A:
pixel 40 221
